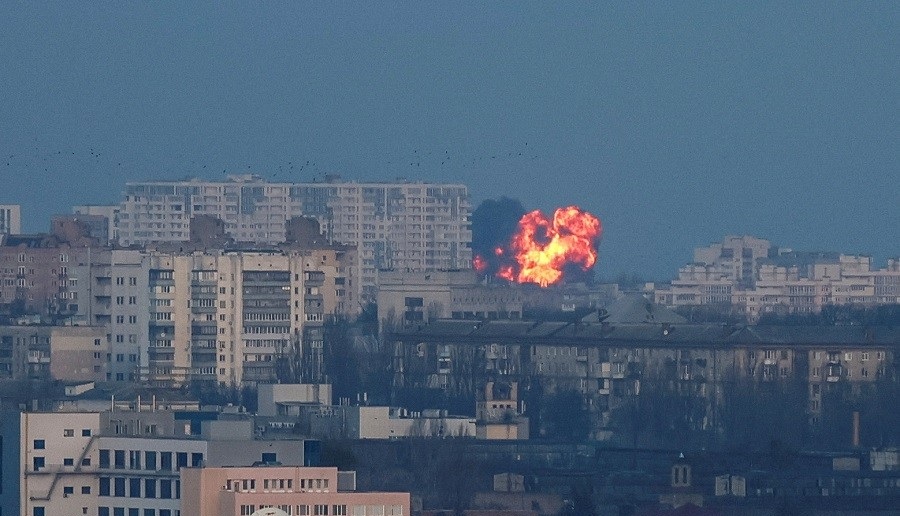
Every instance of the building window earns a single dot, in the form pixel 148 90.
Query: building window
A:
pixel 119 457
pixel 165 489
pixel 134 487
pixel 86 490
pixel 69 432
pixel 165 461
pixel 119 486
pixel 150 488
pixel 68 490
pixel 86 432
pixel 104 486
pixel 37 511
pixel 38 463
pixel 39 444
pixel 68 461
pixel 150 460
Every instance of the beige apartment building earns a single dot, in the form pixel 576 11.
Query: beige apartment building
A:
pixel 402 225
pixel 279 491
pixel 65 353
pixel 406 297
pixel 235 317
pixel 769 280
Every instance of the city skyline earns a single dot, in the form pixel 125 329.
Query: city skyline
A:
pixel 674 125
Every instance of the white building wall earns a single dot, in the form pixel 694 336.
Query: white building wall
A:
pixel 66 444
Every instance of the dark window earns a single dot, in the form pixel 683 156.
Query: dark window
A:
pixel 85 489
pixel 196 460
pixel 134 488
pixel 37 511
pixel 181 460
pixel 149 512
pixel 150 460
pixel 119 458
pixel 67 490
pixel 39 444
pixel 38 463
pixel 269 457
pixel 103 511
pixel 86 432
pixel 150 488
pixel 165 512
pixel 165 489
pixel 104 486
pixel 104 459
pixel 118 511
pixel 119 486
pixel 165 461
pixel 134 512
pixel 68 462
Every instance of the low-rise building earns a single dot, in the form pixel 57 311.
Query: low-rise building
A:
pixel 278 491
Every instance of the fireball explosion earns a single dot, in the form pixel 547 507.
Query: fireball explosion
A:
pixel 541 248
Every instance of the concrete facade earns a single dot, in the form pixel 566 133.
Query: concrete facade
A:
pixel 66 353
pixel 403 225
pixel 418 297
pixel 295 491
pixel 755 278
pixel 247 314
pixel 10 219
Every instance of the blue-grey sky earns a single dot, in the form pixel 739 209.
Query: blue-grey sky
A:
pixel 675 122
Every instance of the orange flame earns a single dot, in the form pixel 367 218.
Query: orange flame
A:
pixel 542 248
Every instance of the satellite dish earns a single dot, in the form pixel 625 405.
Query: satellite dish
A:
pixel 270 511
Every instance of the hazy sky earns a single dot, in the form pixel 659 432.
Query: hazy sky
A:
pixel 675 122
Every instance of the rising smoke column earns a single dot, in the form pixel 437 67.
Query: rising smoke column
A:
pixel 542 249
pixel 494 222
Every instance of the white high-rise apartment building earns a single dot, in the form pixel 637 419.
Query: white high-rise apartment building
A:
pixel 402 225
pixel 10 219
pixel 750 276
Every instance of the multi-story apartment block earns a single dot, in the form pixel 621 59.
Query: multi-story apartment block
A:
pixel 34 275
pixel 785 281
pixel 403 225
pixel 118 462
pixel 609 363
pixel 276 491
pixel 238 316
pixel 10 219
pixel 65 353
pixel 101 216
pixel 416 297
pixel 111 287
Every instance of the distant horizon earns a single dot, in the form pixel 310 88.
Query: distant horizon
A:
pixel 675 124
pixel 30 225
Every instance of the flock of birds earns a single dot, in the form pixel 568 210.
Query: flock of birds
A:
pixel 34 158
